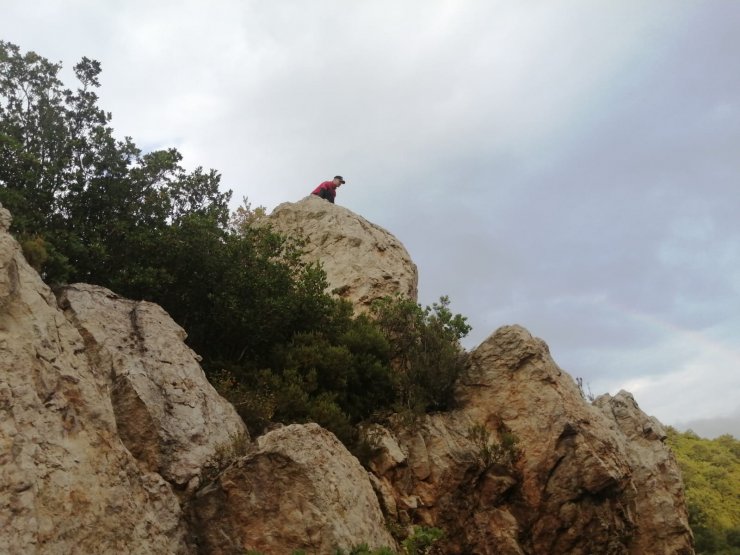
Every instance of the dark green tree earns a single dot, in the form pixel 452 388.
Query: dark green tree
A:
pixel 426 353
pixel 90 201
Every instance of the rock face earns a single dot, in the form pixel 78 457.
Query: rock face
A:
pixel 299 489
pixel 582 479
pixel 660 506
pixel 167 414
pixel 67 482
pixel 109 429
pixel 363 261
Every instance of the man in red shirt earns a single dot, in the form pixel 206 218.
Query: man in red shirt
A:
pixel 328 189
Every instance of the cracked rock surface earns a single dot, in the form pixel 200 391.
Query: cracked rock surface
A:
pixel 167 413
pixel 299 489
pixel 67 482
pixel 589 478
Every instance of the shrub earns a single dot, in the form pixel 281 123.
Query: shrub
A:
pixel 504 452
pixel 426 354
pixel 421 541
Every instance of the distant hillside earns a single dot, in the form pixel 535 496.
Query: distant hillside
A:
pixel 711 473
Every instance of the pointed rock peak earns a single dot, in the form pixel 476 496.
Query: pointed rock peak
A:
pixel 510 347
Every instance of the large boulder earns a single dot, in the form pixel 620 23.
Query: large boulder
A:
pixel 526 466
pixel 363 261
pixel 167 414
pixel 67 482
pixel 299 489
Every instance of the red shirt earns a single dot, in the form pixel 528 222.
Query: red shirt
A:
pixel 327 186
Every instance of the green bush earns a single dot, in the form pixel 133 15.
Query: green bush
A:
pixel 421 541
pixel 426 355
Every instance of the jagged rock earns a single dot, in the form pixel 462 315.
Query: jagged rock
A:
pixel 299 489
pixel 577 482
pixel 660 504
pixel 167 413
pixel 67 483
pixel 363 261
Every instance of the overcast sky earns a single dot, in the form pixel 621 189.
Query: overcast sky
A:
pixel 570 166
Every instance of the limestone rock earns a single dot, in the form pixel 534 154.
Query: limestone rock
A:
pixel 67 483
pixel 167 413
pixel 578 481
pixel 660 505
pixel 363 261
pixel 5 219
pixel 299 489
pixel 107 423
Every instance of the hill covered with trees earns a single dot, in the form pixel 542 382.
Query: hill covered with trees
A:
pixel 711 474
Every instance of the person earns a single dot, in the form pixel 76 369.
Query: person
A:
pixel 328 189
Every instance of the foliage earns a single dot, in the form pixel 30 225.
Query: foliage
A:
pixel 225 454
pixel 590 397
pixel 421 540
pixel 345 372
pixel 96 201
pixel 490 452
pixel 425 351
pixel 363 549
pixel 711 475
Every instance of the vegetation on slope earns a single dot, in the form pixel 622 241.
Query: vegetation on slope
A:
pixel 92 208
pixel 711 474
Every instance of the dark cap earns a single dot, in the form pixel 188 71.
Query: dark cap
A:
pixel 339 177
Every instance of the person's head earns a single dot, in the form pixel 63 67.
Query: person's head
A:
pixel 338 180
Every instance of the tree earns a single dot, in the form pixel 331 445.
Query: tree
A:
pixel 84 197
pixel 425 349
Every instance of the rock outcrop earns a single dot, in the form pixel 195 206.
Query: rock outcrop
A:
pixel 660 505
pixel 67 482
pixel 168 415
pixel 577 481
pixel 112 440
pixel 299 489
pixel 363 261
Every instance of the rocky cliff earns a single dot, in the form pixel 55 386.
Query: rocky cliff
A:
pixel 526 466
pixel 112 440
